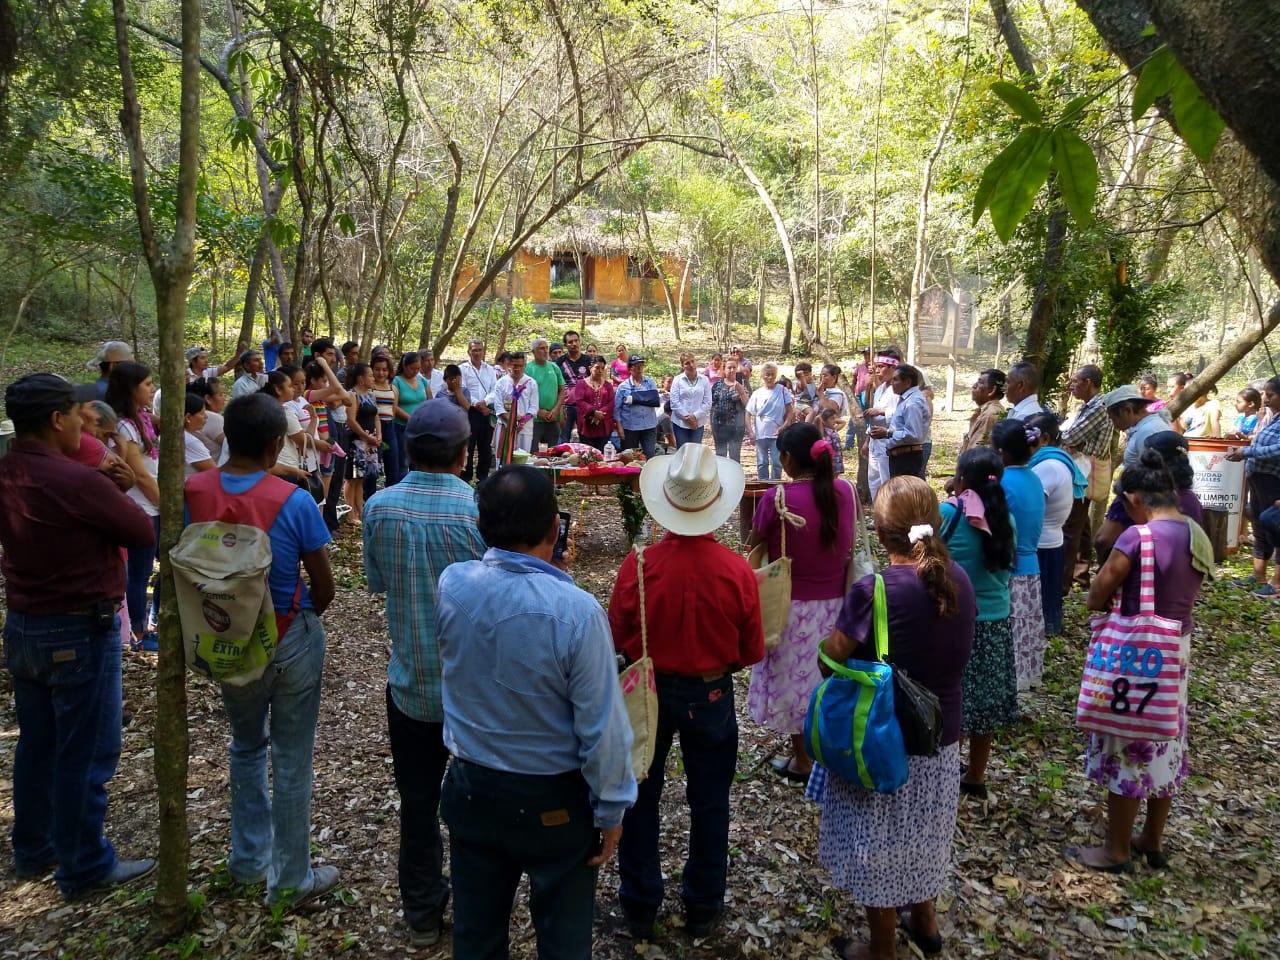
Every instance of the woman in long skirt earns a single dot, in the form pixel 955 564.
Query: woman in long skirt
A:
pixel 1025 493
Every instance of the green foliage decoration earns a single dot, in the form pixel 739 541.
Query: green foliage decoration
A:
pixel 1135 322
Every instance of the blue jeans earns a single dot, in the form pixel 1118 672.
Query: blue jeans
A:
pixel 66 691
pixel 768 461
pixel 646 440
pixel 728 441
pixel 702 714
pixel 271 833
pixel 569 420
pixel 138 569
pixel 502 825
pixel 1052 560
pixel 395 458
pixel 687 434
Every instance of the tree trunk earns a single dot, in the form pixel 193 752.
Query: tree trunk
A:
pixel 1013 38
pixel 793 275
pixel 1229 49
pixel 1250 192
pixel 251 295
pixel 922 208
pixel 171 265
pixel 760 304
pixel 1044 308
pixel 442 244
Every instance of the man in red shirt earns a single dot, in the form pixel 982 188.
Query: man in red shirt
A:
pixel 702 620
pixel 62 529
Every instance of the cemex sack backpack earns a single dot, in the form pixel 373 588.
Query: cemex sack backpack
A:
pixel 220 565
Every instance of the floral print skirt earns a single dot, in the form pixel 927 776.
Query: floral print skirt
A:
pixel 1026 618
pixel 890 849
pixel 1143 769
pixel 990 681
pixel 782 682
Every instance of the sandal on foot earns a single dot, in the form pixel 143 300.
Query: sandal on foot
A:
pixel 930 944
pixel 1076 854
pixel 1156 859
pixel 783 768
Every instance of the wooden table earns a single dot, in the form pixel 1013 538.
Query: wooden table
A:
pixel 566 475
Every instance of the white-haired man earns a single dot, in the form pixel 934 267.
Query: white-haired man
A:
pixel 551 390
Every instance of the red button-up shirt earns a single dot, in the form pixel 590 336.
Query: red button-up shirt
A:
pixel 61 527
pixel 702 603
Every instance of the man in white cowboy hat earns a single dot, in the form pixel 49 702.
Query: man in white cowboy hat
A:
pixel 701 618
pixel 108 355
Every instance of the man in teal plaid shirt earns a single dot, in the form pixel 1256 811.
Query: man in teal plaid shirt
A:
pixel 412 531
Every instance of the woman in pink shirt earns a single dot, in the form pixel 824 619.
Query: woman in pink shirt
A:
pixel 819 513
pixel 593 398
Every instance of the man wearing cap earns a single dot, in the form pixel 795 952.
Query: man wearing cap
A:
pixel 535 720
pixel 62 636
pixel 635 408
pixel 108 355
pixel 883 403
pixel 251 378
pixel 198 367
pixel 701 618
pixel 1129 413
pixel 412 531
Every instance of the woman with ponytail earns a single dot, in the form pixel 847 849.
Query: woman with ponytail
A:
pixel 978 530
pixel 1025 494
pixel 819 513
pixel 891 851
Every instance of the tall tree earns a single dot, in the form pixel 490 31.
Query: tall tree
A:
pixel 171 263
pixel 1251 193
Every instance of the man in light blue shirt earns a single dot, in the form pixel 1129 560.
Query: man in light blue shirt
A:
pixel 908 430
pixel 534 716
pixel 412 532
pixel 635 408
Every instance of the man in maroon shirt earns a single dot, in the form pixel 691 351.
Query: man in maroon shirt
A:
pixel 61 531
pixel 702 619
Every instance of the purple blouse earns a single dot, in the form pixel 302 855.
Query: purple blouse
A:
pixel 817 572
pixel 932 650
pixel 1177 582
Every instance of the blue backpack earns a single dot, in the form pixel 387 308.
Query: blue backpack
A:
pixel 850 727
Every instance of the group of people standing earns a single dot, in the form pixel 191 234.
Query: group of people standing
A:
pixel 505 713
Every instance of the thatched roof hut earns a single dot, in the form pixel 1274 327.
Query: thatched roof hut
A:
pixel 608 233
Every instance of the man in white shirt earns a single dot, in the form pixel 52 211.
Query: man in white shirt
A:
pixel 478 381
pixel 884 403
pixel 515 401
pixel 1022 390
pixel 198 367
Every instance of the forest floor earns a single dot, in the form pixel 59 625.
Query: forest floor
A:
pixel 1010 892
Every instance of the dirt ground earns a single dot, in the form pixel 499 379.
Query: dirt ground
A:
pixel 1010 892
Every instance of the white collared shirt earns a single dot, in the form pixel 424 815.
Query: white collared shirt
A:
pixel 477 382
pixel 690 399
pixel 1026 407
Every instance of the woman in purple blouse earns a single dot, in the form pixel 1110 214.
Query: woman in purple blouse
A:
pixel 1138 770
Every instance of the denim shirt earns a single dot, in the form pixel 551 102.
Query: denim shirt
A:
pixel 910 420
pixel 628 415
pixel 530 679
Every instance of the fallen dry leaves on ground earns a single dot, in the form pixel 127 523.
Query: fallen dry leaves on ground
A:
pixel 1010 893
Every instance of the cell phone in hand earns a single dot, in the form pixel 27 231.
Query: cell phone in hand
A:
pixel 562 541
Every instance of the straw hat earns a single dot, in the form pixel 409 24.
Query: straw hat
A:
pixel 692 491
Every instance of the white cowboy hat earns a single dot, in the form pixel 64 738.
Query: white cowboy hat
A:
pixel 692 491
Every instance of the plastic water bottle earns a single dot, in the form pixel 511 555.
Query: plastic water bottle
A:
pixel 609 452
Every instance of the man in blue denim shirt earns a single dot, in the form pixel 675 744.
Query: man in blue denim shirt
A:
pixel 62 529
pixel 534 716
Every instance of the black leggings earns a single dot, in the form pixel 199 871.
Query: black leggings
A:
pixel 1264 491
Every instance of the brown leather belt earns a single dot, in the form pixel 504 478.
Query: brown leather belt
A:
pixel 906 448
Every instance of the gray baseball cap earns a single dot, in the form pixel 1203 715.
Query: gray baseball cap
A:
pixel 439 419
pixel 1121 394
